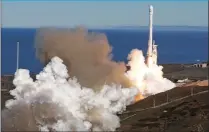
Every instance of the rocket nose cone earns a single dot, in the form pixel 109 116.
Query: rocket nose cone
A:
pixel 151 8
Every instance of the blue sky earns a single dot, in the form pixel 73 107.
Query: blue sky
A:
pixel 102 14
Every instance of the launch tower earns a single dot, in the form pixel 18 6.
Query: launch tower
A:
pixel 154 53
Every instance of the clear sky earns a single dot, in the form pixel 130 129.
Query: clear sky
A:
pixel 101 14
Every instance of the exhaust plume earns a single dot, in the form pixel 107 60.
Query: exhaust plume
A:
pixel 149 79
pixel 86 55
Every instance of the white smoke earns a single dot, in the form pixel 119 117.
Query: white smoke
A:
pixel 56 103
pixel 149 80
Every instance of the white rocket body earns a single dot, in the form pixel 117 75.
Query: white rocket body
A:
pixel 154 53
pixel 149 59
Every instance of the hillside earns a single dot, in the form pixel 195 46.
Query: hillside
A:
pixel 188 114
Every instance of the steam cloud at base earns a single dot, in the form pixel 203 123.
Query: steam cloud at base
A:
pixel 55 103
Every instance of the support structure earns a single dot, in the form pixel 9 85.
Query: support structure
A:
pixel 17 56
pixel 154 53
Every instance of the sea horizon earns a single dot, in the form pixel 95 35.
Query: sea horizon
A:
pixel 174 46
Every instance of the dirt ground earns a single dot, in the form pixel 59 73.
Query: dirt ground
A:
pixel 179 71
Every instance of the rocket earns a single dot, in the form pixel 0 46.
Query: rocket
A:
pixel 149 59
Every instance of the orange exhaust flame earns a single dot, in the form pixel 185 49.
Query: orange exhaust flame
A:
pixel 138 97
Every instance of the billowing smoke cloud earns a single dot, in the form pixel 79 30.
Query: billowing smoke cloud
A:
pixel 54 103
pixel 86 55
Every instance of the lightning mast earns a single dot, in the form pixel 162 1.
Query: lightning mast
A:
pixel 17 56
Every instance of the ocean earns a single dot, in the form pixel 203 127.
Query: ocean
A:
pixel 174 46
